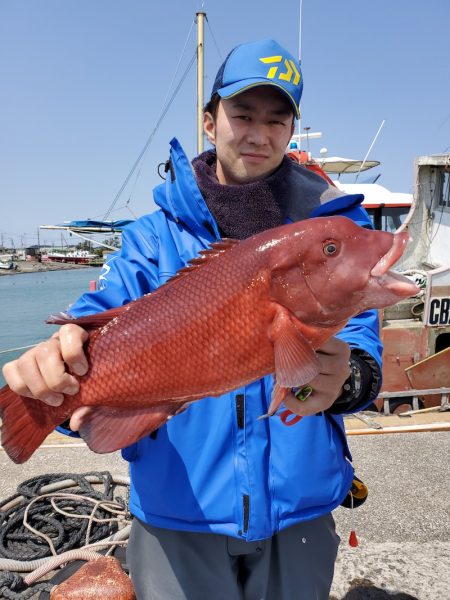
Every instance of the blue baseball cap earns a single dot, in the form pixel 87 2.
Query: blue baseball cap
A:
pixel 264 62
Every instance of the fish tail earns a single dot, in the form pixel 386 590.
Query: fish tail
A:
pixel 24 426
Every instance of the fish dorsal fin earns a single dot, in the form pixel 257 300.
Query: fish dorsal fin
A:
pixel 216 249
pixel 219 247
pixel 203 258
pixel 90 321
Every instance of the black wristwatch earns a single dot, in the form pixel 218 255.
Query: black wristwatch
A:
pixel 352 387
pixel 362 383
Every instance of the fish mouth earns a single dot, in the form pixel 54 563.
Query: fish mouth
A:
pixel 395 282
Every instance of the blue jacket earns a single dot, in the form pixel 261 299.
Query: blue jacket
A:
pixel 216 467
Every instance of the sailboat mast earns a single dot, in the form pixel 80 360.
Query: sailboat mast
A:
pixel 200 91
pixel 300 63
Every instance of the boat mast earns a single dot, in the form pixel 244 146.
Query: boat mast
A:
pixel 200 92
pixel 300 63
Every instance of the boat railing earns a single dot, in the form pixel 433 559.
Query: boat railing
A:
pixel 415 394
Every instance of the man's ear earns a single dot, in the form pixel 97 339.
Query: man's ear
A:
pixel 209 127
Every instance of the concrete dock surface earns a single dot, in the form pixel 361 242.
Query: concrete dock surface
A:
pixel 403 528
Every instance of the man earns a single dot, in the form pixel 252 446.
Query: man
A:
pixel 228 506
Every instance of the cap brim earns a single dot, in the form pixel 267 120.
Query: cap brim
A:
pixel 234 89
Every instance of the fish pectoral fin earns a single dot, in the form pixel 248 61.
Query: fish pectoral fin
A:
pixel 106 429
pixel 296 362
pixel 279 393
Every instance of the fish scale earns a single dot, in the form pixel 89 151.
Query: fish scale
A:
pixel 241 311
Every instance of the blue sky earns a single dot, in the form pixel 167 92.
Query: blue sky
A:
pixel 84 82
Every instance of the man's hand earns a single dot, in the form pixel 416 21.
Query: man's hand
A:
pixel 44 372
pixel 334 358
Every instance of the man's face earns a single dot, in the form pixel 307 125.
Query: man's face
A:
pixel 251 132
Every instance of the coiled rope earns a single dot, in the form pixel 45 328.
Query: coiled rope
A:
pixel 42 527
pixel 10 582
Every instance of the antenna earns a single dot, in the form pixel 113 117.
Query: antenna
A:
pixel 368 151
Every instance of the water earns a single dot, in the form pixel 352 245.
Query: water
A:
pixel 27 300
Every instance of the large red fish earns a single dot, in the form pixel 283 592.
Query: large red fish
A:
pixel 240 311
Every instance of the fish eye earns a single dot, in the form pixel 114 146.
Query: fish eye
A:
pixel 330 248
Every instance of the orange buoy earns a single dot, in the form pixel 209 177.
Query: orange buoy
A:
pixel 102 578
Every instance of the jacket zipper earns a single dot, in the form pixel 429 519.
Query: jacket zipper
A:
pixel 240 420
pixel 240 411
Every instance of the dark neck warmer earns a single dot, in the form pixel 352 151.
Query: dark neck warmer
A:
pixel 242 210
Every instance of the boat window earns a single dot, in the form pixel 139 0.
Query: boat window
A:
pixel 444 190
pixel 388 218
pixel 442 342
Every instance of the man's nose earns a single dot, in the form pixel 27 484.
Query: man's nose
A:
pixel 257 134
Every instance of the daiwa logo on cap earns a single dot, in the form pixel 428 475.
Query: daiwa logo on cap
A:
pixel 260 63
pixel 291 73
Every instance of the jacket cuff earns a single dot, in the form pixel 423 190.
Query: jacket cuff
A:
pixel 65 429
pixel 363 385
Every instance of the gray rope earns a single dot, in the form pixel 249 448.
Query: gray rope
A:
pixel 12 587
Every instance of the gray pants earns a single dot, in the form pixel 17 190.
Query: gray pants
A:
pixel 295 564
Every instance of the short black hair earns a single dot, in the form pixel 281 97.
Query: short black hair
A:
pixel 212 106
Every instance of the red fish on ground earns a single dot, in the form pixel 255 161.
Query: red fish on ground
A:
pixel 240 311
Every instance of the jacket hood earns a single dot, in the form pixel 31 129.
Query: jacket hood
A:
pixel 180 196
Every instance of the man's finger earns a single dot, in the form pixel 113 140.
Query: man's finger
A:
pixel 72 338
pixel 53 370
pixel 77 418
pixel 25 378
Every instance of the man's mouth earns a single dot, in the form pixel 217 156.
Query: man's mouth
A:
pixel 254 157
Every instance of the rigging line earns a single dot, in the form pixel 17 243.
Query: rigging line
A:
pixel 149 139
pixel 214 40
pixel 179 61
pixel 142 164
pixel 370 148
pixel 163 104
pixel 122 206
pixel 19 348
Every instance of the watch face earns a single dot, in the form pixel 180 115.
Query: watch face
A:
pixel 356 378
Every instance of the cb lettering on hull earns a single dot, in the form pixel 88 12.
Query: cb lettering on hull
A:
pixel 439 311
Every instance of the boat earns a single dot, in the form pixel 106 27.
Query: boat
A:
pixel 388 210
pixel 8 265
pixel 75 256
pixel 84 229
pixel 429 220
pixel 416 332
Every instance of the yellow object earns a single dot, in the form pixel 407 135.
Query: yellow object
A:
pixel 359 490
